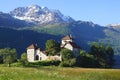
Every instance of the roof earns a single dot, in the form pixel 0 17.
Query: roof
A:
pixel 44 52
pixel 68 37
pixel 32 46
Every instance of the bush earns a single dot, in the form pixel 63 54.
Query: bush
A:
pixel 68 59
pixel 16 64
pixel 68 63
pixel 44 63
pixel 64 64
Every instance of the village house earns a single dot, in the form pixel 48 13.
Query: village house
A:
pixel 34 53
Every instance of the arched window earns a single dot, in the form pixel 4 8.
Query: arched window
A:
pixel 37 57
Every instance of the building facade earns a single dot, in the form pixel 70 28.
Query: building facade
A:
pixel 34 53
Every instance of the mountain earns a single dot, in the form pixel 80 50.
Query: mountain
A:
pixel 7 20
pixel 40 15
pixel 114 26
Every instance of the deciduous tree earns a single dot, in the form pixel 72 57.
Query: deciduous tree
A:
pixel 52 47
pixel 8 55
pixel 68 58
pixel 23 59
pixel 104 55
pixel 110 55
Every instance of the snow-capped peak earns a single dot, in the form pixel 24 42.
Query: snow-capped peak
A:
pixel 43 7
pixel 116 24
pixel 41 15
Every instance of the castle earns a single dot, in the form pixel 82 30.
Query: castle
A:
pixel 34 53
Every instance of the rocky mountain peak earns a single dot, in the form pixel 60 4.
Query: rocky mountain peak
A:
pixel 39 15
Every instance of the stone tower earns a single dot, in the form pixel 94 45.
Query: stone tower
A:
pixel 31 50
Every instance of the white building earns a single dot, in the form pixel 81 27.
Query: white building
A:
pixel 34 53
pixel 68 43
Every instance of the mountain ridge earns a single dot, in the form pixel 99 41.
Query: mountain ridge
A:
pixel 39 15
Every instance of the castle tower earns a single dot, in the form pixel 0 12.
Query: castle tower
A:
pixel 31 50
pixel 66 39
pixel 68 43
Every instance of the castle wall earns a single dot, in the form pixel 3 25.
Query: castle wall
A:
pixel 30 55
pixel 68 46
pixel 41 55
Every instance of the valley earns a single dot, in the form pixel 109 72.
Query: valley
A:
pixel 34 24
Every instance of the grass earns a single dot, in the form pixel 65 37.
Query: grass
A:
pixel 57 73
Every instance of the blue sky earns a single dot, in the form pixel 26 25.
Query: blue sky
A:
pixel 101 12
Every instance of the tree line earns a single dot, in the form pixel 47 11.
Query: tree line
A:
pixel 99 56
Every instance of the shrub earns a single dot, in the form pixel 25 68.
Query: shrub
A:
pixel 44 63
pixel 68 63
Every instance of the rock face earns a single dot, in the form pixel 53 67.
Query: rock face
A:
pixel 39 15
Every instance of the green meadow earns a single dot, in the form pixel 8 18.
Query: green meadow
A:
pixel 58 73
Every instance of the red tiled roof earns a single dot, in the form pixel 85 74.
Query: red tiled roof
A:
pixel 68 37
pixel 32 46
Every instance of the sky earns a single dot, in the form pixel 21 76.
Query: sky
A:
pixel 102 12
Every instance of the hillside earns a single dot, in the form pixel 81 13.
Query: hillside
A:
pixel 21 39
pixel 7 20
pixel 84 33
